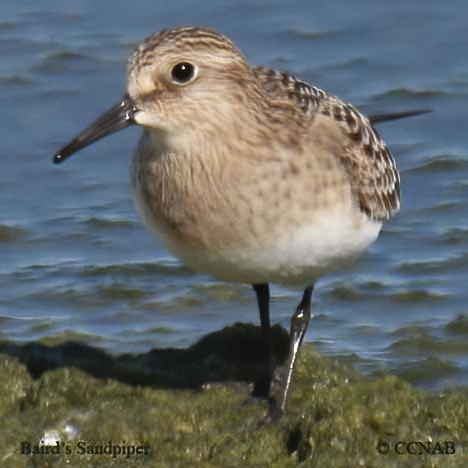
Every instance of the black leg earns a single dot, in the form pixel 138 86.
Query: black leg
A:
pixel 299 323
pixel 263 383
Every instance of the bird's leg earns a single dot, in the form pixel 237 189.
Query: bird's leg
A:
pixel 263 383
pixel 299 323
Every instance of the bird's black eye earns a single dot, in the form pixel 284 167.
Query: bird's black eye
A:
pixel 183 72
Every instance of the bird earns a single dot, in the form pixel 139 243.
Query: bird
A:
pixel 249 174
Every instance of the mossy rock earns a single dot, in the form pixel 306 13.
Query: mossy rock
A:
pixel 336 417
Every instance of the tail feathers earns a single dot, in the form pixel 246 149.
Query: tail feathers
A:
pixel 376 119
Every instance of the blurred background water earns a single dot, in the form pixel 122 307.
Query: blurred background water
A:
pixel 76 261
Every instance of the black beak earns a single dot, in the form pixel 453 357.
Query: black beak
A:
pixel 115 119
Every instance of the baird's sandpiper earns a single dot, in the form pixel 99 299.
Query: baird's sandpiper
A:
pixel 247 173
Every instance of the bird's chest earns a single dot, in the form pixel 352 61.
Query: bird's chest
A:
pixel 189 203
pixel 214 202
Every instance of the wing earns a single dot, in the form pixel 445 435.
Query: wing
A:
pixel 374 178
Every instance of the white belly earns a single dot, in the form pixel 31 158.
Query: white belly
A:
pixel 296 258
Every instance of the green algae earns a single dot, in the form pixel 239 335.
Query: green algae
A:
pixel 120 292
pixel 459 326
pixel 336 417
pixel 69 335
pixel 417 295
pixel 9 233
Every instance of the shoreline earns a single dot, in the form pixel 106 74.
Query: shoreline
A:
pixel 334 412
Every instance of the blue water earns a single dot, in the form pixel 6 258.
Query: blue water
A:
pixel 75 259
